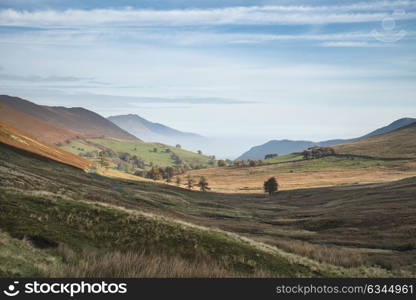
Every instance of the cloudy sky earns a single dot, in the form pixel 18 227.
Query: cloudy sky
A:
pixel 243 71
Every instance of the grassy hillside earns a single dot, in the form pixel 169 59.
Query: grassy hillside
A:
pixel 397 144
pixel 369 229
pixel 13 137
pixel 144 151
pixel 282 158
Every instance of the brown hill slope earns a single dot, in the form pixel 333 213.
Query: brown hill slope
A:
pixel 36 127
pixel 88 123
pixel 15 138
pixel 400 143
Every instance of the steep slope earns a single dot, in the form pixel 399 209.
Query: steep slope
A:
pixel 282 147
pixel 15 138
pixel 400 143
pixel 77 119
pixel 36 127
pixel 152 132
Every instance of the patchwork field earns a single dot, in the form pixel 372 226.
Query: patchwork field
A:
pixel 328 171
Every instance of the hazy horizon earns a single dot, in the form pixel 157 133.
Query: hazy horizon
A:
pixel 240 72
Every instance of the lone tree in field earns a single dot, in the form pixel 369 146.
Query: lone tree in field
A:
pixel 189 182
pixel 203 184
pixel 271 186
pixel 178 181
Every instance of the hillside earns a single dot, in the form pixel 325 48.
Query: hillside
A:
pixel 15 138
pixel 152 154
pixel 154 132
pixel 87 123
pixel 36 127
pixel 400 143
pixel 283 147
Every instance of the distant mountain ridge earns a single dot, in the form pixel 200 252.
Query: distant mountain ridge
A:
pixel 282 147
pixel 75 120
pixel 399 143
pixel 152 132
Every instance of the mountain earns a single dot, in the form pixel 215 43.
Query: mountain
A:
pixel 153 132
pixel 274 146
pixel 282 147
pixel 391 127
pixel 38 128
pixel 76 119
pixel 25 143
pixel 400 143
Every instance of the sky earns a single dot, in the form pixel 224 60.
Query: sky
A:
pixel 240 72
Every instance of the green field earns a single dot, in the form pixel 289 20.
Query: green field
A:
pixel 144 151
pixel 282 159
pixel 330 162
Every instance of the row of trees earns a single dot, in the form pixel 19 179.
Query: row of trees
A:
pixel 202 183
pixel 158 173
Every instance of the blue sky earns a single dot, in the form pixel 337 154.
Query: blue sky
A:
pixel 241 71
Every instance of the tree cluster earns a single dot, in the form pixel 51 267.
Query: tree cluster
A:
pixel 318 152
pixel 270 156
pixel 158 173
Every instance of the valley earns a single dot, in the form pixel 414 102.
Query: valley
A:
pixel 364 230
pixel 100 205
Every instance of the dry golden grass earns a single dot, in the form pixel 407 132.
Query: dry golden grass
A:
pixel 243 180
pixel 136 265
pixel 112 173
pixel 332 255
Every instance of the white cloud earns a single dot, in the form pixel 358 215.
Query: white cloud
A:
pixel 352 44
pixel 353 13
